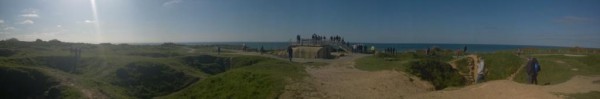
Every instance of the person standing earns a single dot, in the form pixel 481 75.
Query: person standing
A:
pixel 465 49
pixel 262 50
pixel 480 71
pixel 218 50
pixel 290 52
pixel 533 68
pixel 298 38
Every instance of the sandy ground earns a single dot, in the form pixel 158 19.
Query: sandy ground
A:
pixel 340 80
pixel 506 89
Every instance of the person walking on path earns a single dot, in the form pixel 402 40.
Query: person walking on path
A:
pixel 533 68
pixel 290 52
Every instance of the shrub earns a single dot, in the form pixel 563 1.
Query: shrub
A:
pixel 440 74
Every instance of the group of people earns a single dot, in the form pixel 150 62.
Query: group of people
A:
pixel 390 50
pixel 318 38
pixel 360 48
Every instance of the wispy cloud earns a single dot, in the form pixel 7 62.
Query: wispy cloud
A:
pixel 170 3
pixel 27 21
pixel 1 21
pixel 30 13
pixel 28 16
pixel 89 21
pixel 10 28
pixel 575 20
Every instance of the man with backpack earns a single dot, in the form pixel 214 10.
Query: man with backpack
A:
pixel 533 67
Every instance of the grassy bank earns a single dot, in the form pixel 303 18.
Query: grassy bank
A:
pixel 146 71
pixel 385 62
pixel 264 78
pixel 560 68
pixel 501 65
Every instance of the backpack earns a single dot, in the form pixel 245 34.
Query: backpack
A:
pixel 536 67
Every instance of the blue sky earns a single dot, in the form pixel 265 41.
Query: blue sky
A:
pixel 520 22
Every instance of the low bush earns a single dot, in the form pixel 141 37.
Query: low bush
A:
pixel 440 74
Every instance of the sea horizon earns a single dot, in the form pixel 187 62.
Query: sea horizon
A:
pixel 398 46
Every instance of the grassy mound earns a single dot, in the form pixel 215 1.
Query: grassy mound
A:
pixel 21 83
pixel 208 64
pixel 147 79
pixel 385 61
pixel 557 69
pixel 501 65
pixel 255 77
pixel 64 63
pixel 440 74
pixel 7 52
pixel 154 54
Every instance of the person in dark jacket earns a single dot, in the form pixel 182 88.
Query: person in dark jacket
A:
pixel 290 52
pixel 262 50
pixel 465 49
pixel 533 67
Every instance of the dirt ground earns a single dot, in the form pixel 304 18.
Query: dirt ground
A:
pixel 340 80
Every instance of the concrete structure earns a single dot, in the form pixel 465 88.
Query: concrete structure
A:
pixel 312 52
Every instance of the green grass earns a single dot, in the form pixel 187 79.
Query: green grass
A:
pixel 557 69
pixel 462 65
pixel 99 64
pixel 440 74
pixel 263 79
pixel 589 95
pixel 501 65
pixel 391 62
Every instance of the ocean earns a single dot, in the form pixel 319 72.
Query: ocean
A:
pixel 381 46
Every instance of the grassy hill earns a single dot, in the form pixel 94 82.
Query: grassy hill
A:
pixel 138 71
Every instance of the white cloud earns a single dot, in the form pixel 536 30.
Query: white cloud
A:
pixel 1 21
pixel 9 28
pixel 27 16
pixel 171 3
pixel 27 21
pixel 45 35
pixel 30 15
pixel 58 26
pixel 89 21
pixel 30 10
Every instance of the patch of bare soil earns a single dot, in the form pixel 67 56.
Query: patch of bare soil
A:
pixel 340 79
pixel 506 89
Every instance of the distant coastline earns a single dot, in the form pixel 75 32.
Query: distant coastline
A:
pixel 398 46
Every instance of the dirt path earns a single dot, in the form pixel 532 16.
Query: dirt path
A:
pixel 67 80
pixel 340 80
pixel 512 76
pixel 506 89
